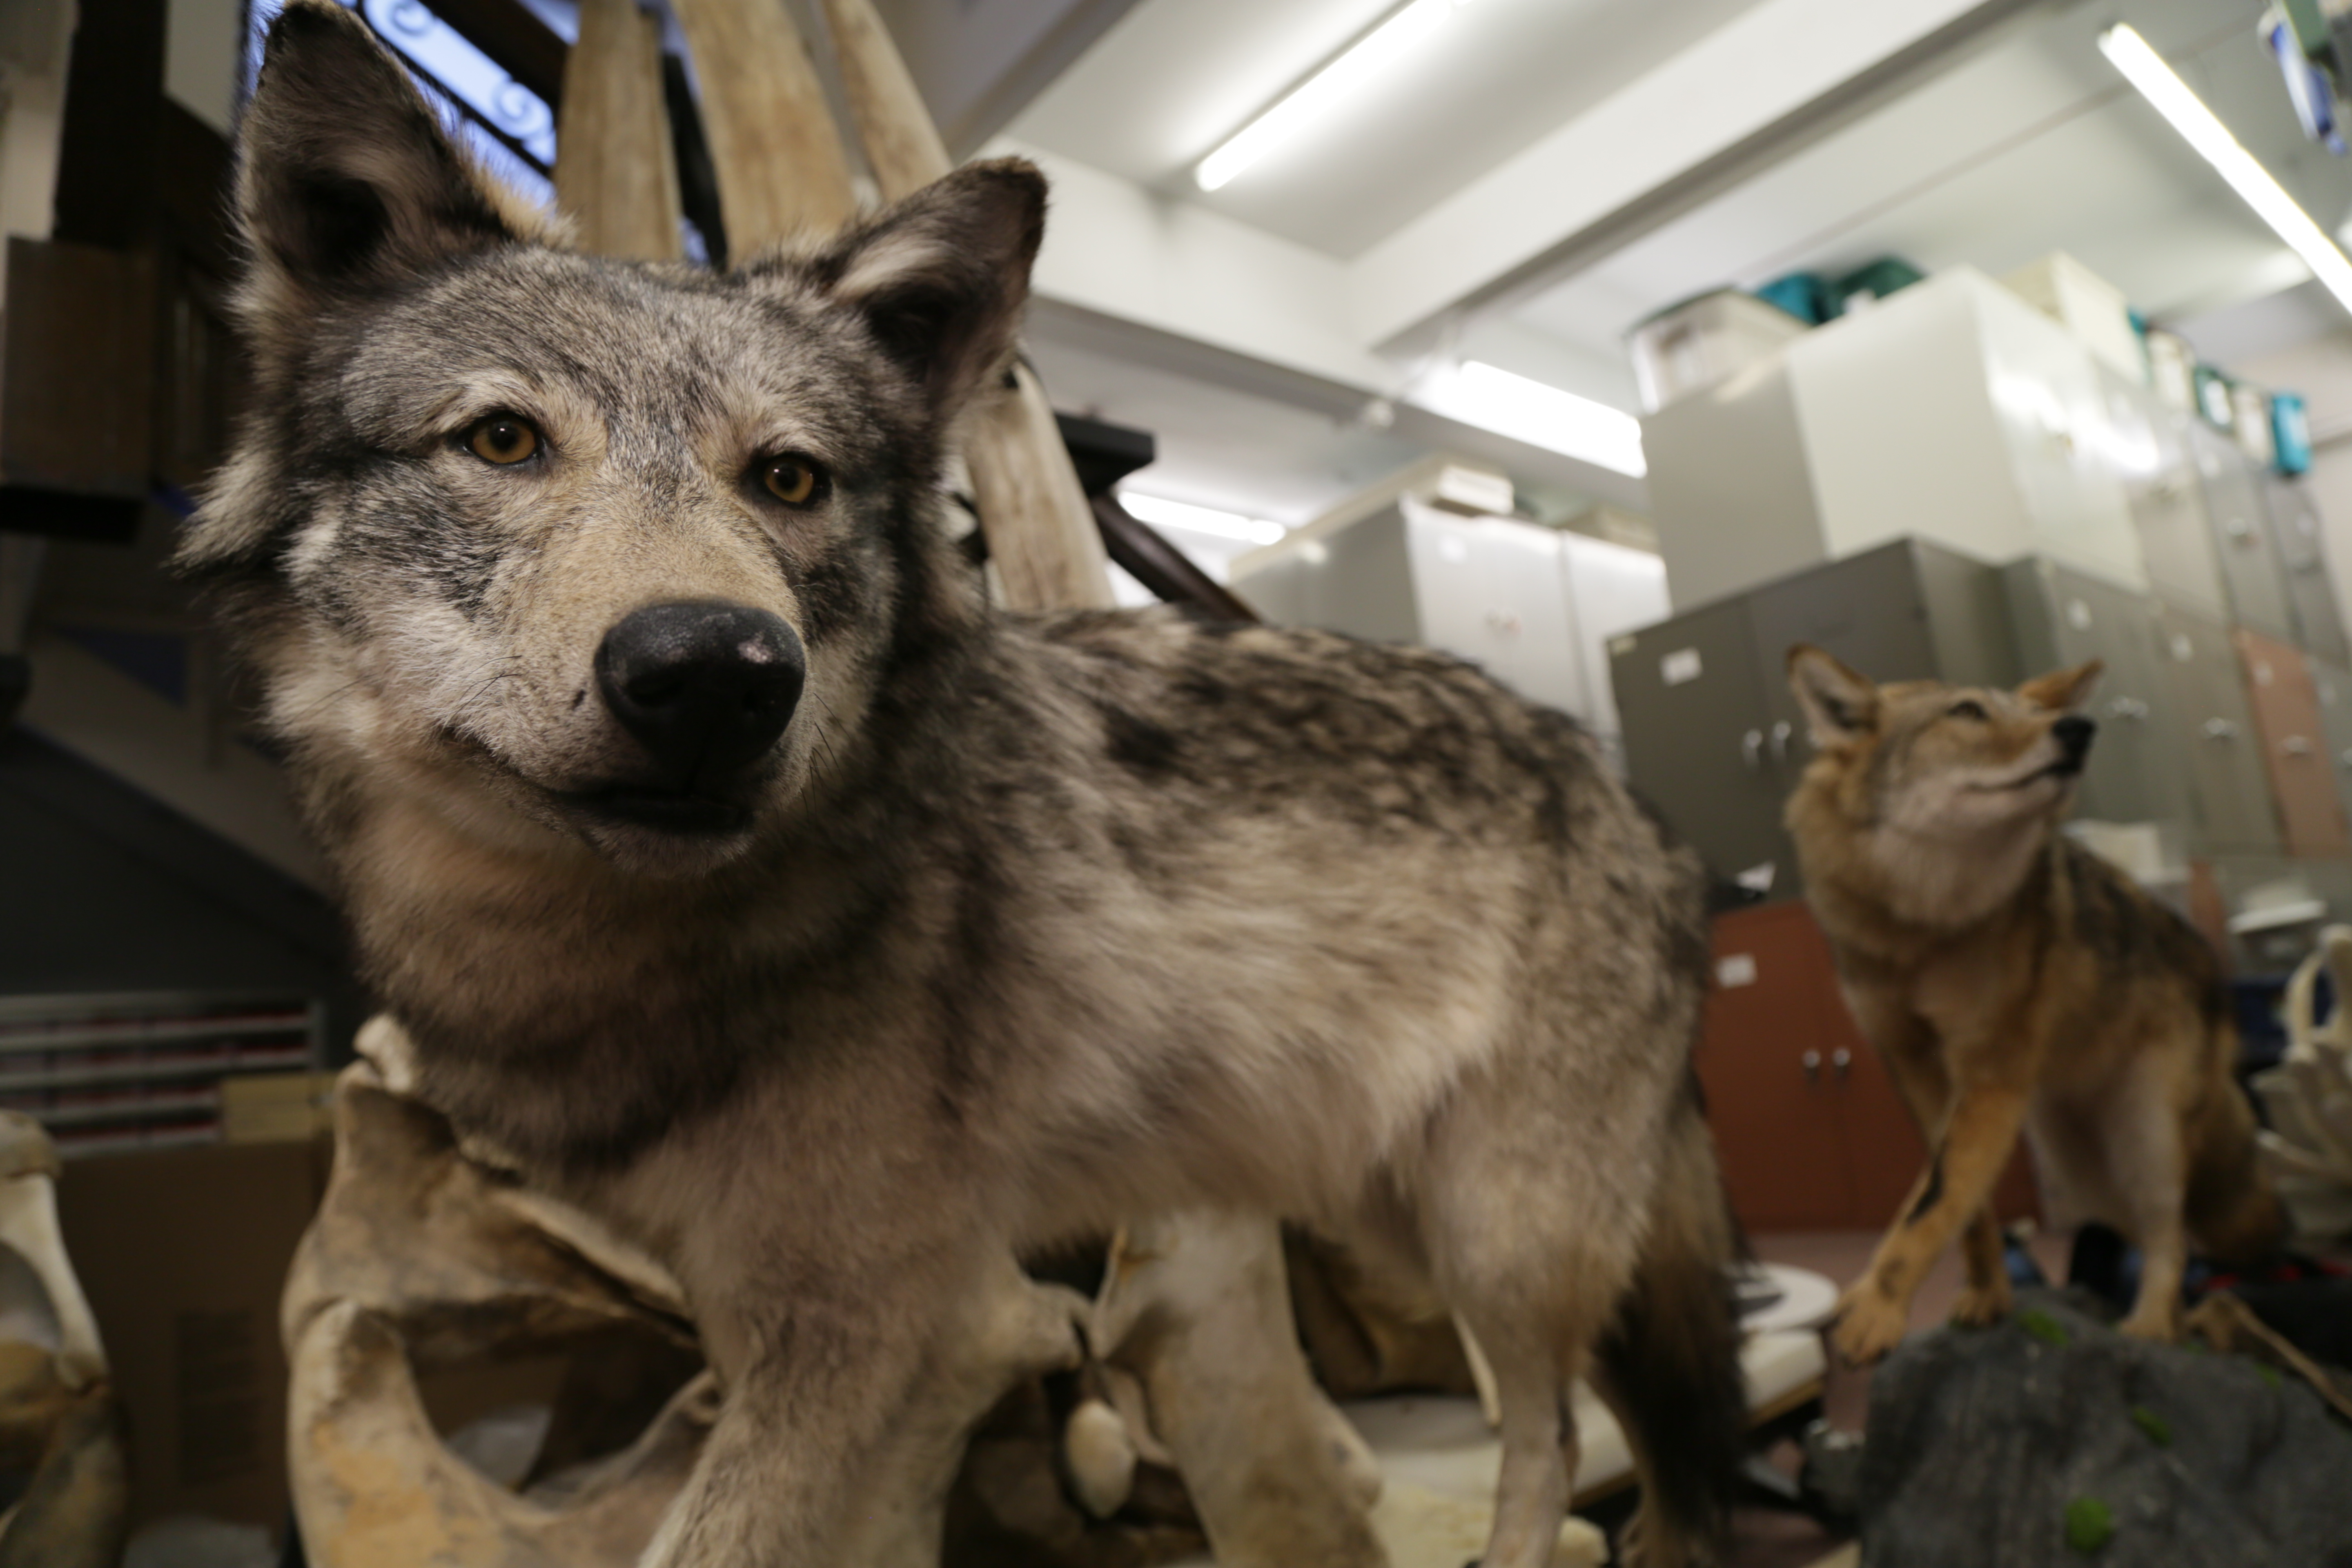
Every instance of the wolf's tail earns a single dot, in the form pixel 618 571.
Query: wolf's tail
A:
pixel 2232 1210
pixel 1669 1364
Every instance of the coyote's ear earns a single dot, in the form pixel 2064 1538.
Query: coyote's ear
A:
pixel 1839 704
pixel 2063 689
pixel 940 278
pixel 347 182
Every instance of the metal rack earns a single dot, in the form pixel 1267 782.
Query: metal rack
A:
pixel 111 1071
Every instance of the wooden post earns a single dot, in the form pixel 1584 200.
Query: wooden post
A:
pixel 782 168
pixel 1041 532
pixel 615 175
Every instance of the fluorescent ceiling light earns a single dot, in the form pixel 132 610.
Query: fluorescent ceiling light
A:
pixel 1161 512
pixel 1314 97
pixel 2146 70
pixel 1541 415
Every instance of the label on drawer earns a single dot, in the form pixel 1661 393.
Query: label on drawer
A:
pixel 1734 969
pixel 1680 666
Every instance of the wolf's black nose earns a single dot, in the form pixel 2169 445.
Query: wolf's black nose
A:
pixel 705 686
pixel 2073 733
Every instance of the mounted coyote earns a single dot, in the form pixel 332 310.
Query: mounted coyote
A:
pixel 2011 980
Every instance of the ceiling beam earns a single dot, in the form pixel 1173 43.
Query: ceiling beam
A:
pixel 1774 77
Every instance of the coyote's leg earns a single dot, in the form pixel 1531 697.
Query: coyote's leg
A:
pixel 2148 1169
pixel 1979 1135
pixel 1914 1059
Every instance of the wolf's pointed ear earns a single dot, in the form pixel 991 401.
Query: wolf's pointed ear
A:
pixel 347 182
pixel 1839 704
pixel 940 278
pixel 2063 689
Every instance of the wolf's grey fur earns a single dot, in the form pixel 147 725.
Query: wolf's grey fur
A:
pixel 1023 926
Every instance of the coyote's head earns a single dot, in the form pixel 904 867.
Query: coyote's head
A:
pixel 1936 763
pixel 618 552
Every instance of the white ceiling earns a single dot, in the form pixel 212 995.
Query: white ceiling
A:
pixel 1174 78
pixel 2022 142
pixel 2034 145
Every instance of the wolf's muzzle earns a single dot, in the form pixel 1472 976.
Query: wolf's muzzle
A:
pixel 704 686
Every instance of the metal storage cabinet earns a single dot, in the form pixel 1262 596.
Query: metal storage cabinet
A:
pixel 1713 735
pixel 2151 455
pixel 2296 535
pixel 2214 729
pixel 1953 411
pixel 2333 684
pixel 2242 534
pixel 1502 594
pixel 1906 611
pixel 2286 712
pixel 2066 617
pixel 1700 741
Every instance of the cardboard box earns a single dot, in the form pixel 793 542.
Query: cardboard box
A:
pixel 184 1253
pixel 2093 308
pixel 277 1106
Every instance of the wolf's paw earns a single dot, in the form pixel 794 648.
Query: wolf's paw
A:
pixel 1979 1307
pixel 2160 1323
pixel 1869 1324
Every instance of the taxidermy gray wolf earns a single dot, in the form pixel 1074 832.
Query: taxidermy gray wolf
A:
pixel 2012 979
pixel 732 864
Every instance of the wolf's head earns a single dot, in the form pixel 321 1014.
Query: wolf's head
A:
pixel 1961 765
pixel 613 551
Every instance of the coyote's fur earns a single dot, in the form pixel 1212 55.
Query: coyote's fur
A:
pixel 733 864
pixel 2011 980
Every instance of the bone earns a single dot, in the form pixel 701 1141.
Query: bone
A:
pixel 1042 534
pixel 28 1224
pixel 783 172
pixel 421 1259
pixel 58 1418
pixel 1198 1307
pixel 614 175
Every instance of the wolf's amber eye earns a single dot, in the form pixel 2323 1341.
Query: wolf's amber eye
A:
pixel 1966 707
pixel 502 439
pixel 792 480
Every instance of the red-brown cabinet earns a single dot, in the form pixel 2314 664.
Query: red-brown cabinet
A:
pixel 1810 1131
pixel 2285 703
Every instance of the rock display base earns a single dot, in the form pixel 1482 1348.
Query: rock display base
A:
pixel 2052 1441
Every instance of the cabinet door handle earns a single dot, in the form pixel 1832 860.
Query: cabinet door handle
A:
pixel 2220 729
pixel 2238 528
pixel 1751 749
pixel 2127 708
pixel 1841 1060
pixel 1781 730
pixel 2296 746
pixel 1811 1062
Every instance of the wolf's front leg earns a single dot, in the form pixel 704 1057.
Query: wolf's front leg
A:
pixel 842 1432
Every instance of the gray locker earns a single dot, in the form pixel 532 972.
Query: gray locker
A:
pixel 1717 746
pixel 1905 611
pixel 2166 502
pixel 2301 544
pixel 2065 617
pixel 2212 727
pixel 2334 685
pixel 1702 743
pixel 2242 534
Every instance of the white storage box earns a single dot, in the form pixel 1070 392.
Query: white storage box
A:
pixel 2086 304
pixel 1705 340
pixel 2172 370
